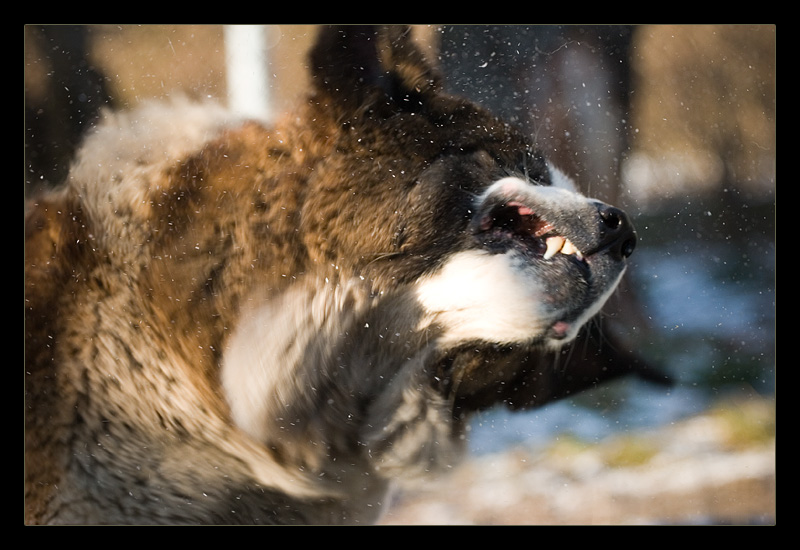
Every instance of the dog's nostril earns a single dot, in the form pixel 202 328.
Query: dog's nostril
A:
pixel 617 235
pixel 627 247
pixel 612 217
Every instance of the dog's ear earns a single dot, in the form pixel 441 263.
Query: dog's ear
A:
pixel 356 65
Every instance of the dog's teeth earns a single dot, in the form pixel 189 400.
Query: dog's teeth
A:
pixel 554 245
pixel 569 248
pixel 560 244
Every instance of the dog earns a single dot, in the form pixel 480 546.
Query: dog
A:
pixel 227 323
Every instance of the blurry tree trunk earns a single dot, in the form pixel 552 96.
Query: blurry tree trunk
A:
pixel 63 96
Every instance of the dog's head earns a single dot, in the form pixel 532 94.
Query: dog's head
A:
pixel 501 247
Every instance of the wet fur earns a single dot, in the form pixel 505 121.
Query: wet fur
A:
pixel 229 323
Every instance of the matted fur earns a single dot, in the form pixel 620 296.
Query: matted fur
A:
pixel 229 323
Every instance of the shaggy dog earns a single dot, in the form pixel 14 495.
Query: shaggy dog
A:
pixel 229 323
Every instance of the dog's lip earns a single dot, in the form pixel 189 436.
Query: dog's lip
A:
pixel 514 219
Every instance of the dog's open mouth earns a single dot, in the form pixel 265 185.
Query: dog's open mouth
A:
pixel 513 223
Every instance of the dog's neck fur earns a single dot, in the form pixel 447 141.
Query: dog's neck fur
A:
pixel 325 354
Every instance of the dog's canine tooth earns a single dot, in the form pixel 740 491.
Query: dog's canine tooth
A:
pixel 560 244
pixel 554 246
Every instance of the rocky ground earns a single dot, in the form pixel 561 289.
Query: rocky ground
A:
pixel 712 469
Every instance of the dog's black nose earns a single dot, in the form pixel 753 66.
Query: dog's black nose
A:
pixel 617 235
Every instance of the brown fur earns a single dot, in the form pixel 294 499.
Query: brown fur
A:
pixel 161 248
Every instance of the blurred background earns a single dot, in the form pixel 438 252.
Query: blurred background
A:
pixel 675 123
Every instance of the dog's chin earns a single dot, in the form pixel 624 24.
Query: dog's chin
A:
pixel 503 298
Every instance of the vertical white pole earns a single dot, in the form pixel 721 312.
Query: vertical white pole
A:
pixel 246 66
